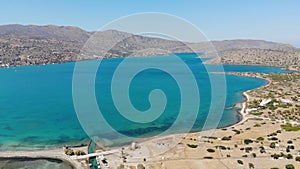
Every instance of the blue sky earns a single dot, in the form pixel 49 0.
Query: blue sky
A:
pixel 275 20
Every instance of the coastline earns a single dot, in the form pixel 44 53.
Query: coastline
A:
pixel 242 112
pixel 206 62
pixel 58 153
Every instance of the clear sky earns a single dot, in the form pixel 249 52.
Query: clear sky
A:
pixel 275 20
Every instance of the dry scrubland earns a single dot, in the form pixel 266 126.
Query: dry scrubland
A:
pixel 286 57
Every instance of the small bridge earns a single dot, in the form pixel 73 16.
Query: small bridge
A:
pixel 94 154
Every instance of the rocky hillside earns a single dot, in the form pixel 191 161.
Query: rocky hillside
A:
pixel 63 33
pixel 286 57
pixel 27 45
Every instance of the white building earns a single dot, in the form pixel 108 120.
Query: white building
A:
pixel 264 102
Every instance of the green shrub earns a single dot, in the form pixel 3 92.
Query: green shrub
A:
pixel 210 150
pixel 289 156
pixel 248 141
pixel 80 152
pixel 225 138
pixel 262 151
pixel 260 139
pixel 272 107
pixel 237 131
pixel 276 156
pixel 240 162
pixel 257 125
pixel 69 152
pixel 272 134
pixel 248 149
pixel 272 145
pixel 221 147
pixel 208 157
pixel 290 166
pixel 273 138
pixel 192 145
pixel 256 113
pixel 290 127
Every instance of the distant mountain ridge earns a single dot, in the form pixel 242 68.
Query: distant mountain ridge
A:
pixel 70 33
pixel 31 44
pixel 242 43
pixel 67 33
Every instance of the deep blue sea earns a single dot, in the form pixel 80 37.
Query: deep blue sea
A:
pixel 37 110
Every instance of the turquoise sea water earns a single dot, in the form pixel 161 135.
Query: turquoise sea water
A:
pixel 36 106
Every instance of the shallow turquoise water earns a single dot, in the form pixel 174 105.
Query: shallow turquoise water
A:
pixel 36 106
pixel 33 163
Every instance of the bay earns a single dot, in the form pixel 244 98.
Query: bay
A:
pixel 37 110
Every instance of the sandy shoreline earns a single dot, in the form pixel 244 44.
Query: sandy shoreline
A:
pixel 247 98
pixel 55 154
